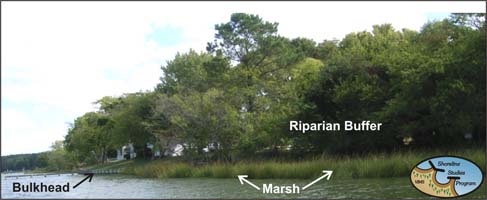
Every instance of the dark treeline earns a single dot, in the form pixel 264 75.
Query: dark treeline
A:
pixel 236 99
pixel 22 161
pixel 54 160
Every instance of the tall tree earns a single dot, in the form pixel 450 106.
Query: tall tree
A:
pixel 262 60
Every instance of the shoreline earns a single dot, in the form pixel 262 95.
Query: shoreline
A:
pixel 380 165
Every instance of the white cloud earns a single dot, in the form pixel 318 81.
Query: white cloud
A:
pixel 65 55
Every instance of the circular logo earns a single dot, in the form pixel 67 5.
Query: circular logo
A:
pixel 446 176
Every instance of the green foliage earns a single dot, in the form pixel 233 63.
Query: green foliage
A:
pixel 90 137
pixel 236 99
pixel 426 86
pixel 129 118
pixel 204 120
pixel 58 159
pixel 23 161
pixel 241 36
pixel 191 71
pixel 55 160
pixel 381 165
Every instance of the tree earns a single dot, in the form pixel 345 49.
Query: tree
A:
pixel 244 34
pixel 262 62
pixel 201 121
pixel 90 137
pixel 236 99
pixel 185 72
pixel 129 117
pixel 58 159
pixel 189 78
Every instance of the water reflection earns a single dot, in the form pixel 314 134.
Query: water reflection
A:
pixel 118 186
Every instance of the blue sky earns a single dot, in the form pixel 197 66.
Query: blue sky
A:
pixel 165 36
pixel 437 16
pixel 57 60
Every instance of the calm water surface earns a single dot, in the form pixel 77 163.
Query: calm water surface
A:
pixel 119 186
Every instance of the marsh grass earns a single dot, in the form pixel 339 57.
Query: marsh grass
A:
pixel 369 166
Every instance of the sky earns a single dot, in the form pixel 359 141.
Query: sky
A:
pixel 58 58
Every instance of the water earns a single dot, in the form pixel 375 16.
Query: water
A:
pixel 119 186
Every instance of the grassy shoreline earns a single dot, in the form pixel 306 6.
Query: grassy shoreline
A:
pixel 382 165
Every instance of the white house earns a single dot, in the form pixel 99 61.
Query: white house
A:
pixel 126 152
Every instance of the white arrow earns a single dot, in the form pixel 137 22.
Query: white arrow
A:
pixel 241 178
pixel 325 174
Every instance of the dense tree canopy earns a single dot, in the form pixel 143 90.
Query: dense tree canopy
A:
pixel 236 99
